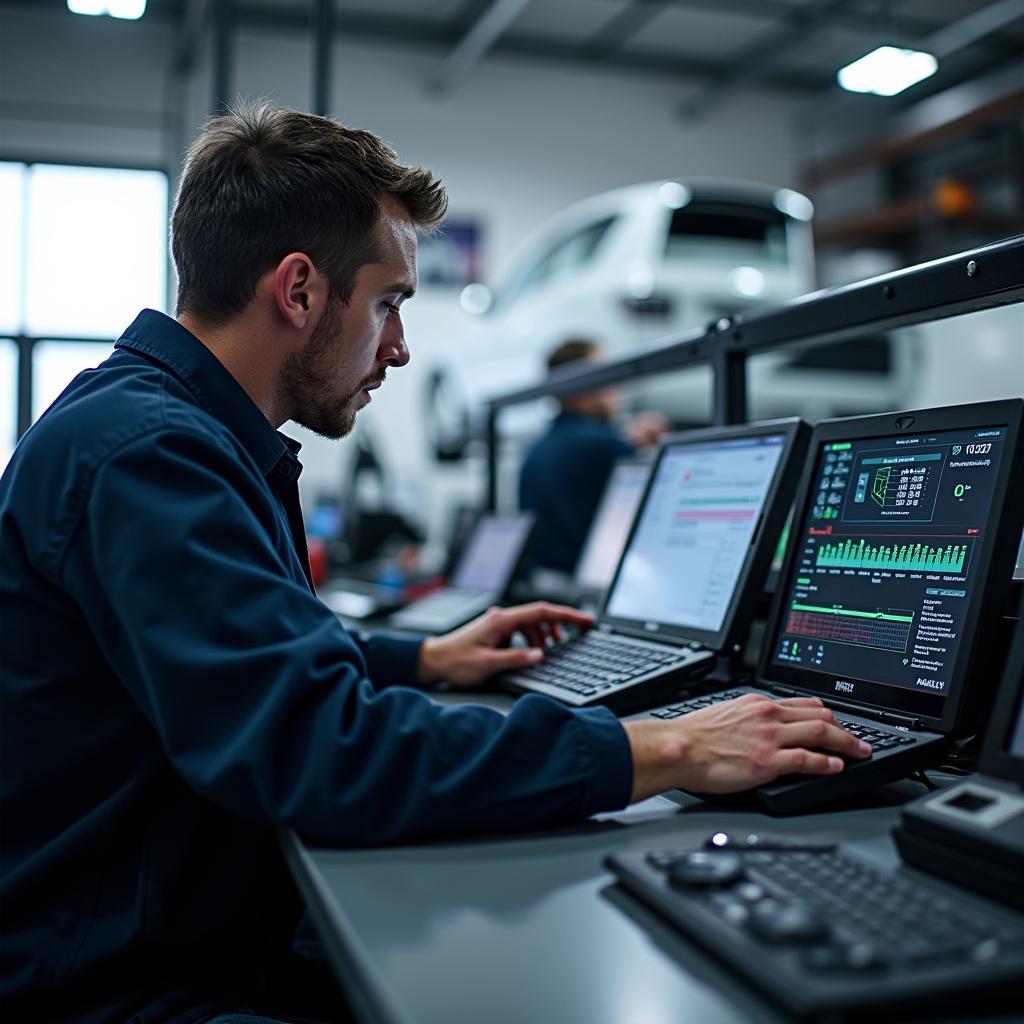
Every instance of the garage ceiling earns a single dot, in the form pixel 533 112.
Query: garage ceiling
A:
pixel 721 48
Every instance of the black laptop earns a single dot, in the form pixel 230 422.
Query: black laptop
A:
pixel 897 571
pixel 492 558
pixel 689 574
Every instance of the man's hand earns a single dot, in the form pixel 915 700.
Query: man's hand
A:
pixel 737 745
pixel 646 429
pixel 479 649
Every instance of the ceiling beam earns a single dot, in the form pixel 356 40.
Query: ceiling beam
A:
pixel 750 62
pixel 480 37
pixel 621 27
pixel 974 28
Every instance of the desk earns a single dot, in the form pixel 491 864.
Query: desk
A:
pixel 530 929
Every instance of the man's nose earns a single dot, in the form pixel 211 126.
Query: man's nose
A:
pixel 394 351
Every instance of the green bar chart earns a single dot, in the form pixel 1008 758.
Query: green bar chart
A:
pixel 860 554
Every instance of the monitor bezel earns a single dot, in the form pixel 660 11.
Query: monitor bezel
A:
pixel 625 462
pixel 995 756
pixel 529 522
pixel 736 620
pixel 995 559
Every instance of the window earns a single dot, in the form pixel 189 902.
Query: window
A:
pixel 565 256
pixel 8 399
pixel 733 231
pixel 82 251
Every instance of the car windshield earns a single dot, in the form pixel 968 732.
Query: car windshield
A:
pixel 734 231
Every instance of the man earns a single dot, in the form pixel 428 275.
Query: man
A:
pixel 566 470
pixel 173 690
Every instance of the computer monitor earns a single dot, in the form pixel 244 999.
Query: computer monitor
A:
pixel 711 499
pixel 610 527
pixel 493 553
pixel 899 522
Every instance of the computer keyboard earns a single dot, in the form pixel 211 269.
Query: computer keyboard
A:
pixel 596 668
pixel 879 736
pixel 820 929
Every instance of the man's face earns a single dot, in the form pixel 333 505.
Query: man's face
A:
pixel 354 342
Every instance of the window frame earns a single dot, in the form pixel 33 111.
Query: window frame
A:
pixel 25 342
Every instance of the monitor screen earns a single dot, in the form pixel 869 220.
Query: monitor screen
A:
pixel 491 554
pixel 879 585
pixel 694 532
pixel 611 524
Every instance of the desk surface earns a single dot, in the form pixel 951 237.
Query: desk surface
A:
pixel 531 928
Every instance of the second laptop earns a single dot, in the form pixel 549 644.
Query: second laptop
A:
pixel 690 572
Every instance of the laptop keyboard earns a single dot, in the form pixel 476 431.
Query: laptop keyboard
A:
pixel 593 663
pixel 880 737
pixel 818 915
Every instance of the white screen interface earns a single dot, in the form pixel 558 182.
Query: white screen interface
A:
pixel 491 554
pixel 694 532
pixel 611 525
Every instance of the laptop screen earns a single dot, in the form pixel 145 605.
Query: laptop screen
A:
pixel 694 531
pixel 878 589
pixel 492 553
pixel 612 520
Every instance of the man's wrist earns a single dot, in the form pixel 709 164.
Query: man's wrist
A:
pixel 431 661
pixel 660 755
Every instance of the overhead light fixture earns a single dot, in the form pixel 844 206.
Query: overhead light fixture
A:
pixel 887 71
pixel 131 10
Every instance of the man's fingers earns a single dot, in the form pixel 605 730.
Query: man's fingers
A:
pixel 806 762
pixel 543 611
pixel 507 658
pixel 821 735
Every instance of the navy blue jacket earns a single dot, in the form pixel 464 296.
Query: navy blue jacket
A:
pixel 173 690
pixel 561 480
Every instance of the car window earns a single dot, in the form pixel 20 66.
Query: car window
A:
pixel 733 231
pixel 566 255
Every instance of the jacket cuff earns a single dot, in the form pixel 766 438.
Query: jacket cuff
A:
pixel 605 745
pixel 392 659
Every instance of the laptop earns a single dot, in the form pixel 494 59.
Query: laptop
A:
pixel 605 539
pixel 493 556
pixel 972 832
pixel 896 574
pixel 690 571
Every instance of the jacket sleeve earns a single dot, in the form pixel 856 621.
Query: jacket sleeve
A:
pixel 259 697
pixel 392 659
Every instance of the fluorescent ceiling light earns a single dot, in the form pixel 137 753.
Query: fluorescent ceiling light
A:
pixel 130 9
pixel 887 71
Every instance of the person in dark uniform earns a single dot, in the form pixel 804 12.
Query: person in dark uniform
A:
pixel 565 471
pixel 172 690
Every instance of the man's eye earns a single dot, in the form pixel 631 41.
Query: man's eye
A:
pixel 391 308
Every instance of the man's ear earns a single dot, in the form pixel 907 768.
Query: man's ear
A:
pixel 299 290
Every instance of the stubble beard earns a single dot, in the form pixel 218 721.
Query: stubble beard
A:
pixel 303 388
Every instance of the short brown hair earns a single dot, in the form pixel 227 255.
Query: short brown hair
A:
pixel 572 351
pixel 261 181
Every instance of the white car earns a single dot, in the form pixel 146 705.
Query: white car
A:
pixel 642 263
